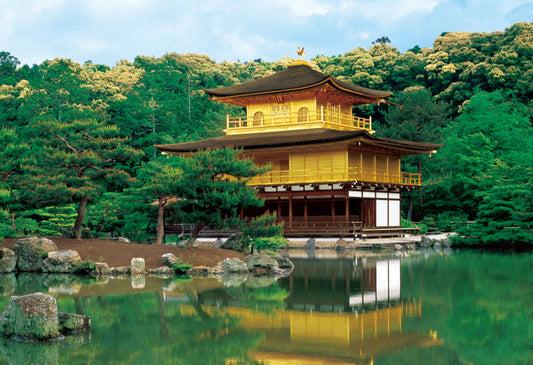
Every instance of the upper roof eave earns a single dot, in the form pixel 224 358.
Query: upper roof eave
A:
pixel 294 78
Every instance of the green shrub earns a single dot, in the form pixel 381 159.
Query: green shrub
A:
pixel 181 267
pixel 84 267
pixel 269 243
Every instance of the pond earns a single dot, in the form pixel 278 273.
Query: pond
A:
pixel 426 307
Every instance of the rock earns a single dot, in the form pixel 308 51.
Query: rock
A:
pixel 72 323
pixel 234 242
pixel 137 266
pixel 310 244
pixel 162 271
pixel 218 243
pixel 398 247
pixel 341 244
pixel 410 246
pixel 101 269
pixel 32 316
pixel 261 264
pixel 31 252
pixel 8 260
pixel 61 261
pixel 230 266
pixel 170 259
pixel 284 263
pixel 199 271
pixel 123 239
pixel 121 270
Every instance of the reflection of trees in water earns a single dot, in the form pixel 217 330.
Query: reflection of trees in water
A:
pixel 144 328
pixel 264 299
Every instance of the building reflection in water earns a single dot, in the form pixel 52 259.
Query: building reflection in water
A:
pixel 338 310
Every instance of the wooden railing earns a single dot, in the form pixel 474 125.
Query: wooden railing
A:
pixel 336 175
pixel 324 117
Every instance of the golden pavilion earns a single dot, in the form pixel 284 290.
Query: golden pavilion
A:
pixel 330 174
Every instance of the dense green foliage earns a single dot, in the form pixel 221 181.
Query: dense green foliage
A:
pixel 264 233
pixel 84 134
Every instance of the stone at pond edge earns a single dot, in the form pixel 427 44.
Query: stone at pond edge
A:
pixel 234 242
pixel 31 316
pixel 163 271
pixel 310 244
pixel 121 270
pixel 230 266
pixel 261 264
pixel 8 260
pixel 72 323
pixel 31 251
pixel 170 259
pixel 101 269
pixel 137 265
pixel 61 261
pixel 284 263
pixel 199 271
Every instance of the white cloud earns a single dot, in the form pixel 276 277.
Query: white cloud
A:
pixel 305 8
pixel 386 9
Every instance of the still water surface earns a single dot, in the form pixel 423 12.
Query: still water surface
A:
pixel 351 308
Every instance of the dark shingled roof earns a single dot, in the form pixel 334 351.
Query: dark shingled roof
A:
pixel 295 77
pixel 301 137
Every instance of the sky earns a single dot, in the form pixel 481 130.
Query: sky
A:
pixel 107 31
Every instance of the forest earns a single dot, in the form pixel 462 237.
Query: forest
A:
pixel 77 139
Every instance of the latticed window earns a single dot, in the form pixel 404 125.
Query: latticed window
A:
pixel 303 115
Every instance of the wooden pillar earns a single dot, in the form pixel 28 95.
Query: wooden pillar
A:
pixel 347 208
pixel 290 209
pixel 279 208
pixel 305 211
pixel 332 210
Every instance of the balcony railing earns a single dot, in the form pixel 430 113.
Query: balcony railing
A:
pixel 322 117
pixel 336 175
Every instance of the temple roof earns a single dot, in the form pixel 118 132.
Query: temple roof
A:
pixel 295 77
pixel 269 140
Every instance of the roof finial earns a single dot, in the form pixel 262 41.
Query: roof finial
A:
pixel 299 61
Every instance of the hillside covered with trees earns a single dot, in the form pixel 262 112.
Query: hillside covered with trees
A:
pixel 77 140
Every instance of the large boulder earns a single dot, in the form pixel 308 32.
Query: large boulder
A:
pixel 61 261
pixel 31 252
pixel 8 260
pixel 31 316
pixel 261 264
pixel 235 243
pixel 230 266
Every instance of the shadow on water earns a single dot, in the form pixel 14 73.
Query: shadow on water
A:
pixel 439 307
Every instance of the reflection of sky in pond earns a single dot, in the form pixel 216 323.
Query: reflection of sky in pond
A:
pixel 352 307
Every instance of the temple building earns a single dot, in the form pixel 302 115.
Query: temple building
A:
pixel 330 174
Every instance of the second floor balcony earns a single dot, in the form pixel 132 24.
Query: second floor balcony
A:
pixel 336 175
pixel 306 119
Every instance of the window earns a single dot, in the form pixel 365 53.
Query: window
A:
pixel 280 112
pixel 303 115
pixel 258 119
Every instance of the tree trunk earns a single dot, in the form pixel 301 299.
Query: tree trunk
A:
pixel 422 214
pixel 410 209
pixel 197 228
pixel 82 207
pixel 162 200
